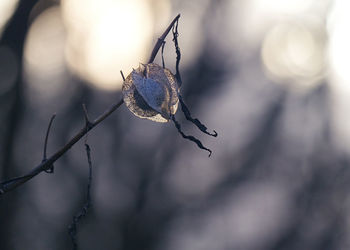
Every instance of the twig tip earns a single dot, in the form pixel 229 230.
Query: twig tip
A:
pixel 121 72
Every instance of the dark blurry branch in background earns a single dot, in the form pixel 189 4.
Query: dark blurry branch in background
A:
pixel 11 184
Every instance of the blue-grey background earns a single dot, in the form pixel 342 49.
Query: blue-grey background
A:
pixel 270 76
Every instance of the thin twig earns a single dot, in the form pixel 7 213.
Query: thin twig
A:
pixel 121 72
pixel 86 115
pixel 87 122
pixel 161 40
pixel 47 136
pixel 189 137
pixel 163 62
pixel 11 184
pixel 83 212
pixel 195 121
pixel 51 169
pixel 178 52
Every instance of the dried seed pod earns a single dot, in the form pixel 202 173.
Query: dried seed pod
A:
pixel 151 92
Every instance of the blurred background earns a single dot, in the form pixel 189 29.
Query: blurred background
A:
pixel 270 76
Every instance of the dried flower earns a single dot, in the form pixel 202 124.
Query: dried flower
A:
pixel 151 92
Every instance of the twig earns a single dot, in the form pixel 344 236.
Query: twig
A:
pixel 195 121
pixel 121 72
pixel 87 121
pixel 189 137
pixel 163 63
pixel 47 136
pixel 51 169
pixel 161 40
pixel 86 115
pixel 11 184
pixel 83 212
pixel 177 50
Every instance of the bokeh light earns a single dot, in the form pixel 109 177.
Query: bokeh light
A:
pixel 280 7
pixel 269 75
pixel 295 54
pixel 339 50
pixel 339 54
pixel 44 63
pixel 292 38
pixel 252 18
pixel 106 36
pixel 161 10
pixel 7 7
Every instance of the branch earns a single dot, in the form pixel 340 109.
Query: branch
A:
pixel 50 170
pixel 14 183
pixel 161 40
pixel 83 211
pixel 11 184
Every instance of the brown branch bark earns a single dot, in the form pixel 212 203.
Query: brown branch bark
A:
pixel 11 184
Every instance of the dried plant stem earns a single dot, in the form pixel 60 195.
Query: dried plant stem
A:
pixel 47 136
pixel 11 184
pixel 73 228
pixel 161 40
pixel 14 183
pixel 51 169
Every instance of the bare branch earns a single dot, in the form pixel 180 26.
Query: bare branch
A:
pixel 178 53
pixel 47 136
pixel 50 170
pixel 161 40
pixel 83 211
pixel 11 184
pixel 163 63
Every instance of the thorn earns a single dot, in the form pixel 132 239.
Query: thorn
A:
pixel 121 72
